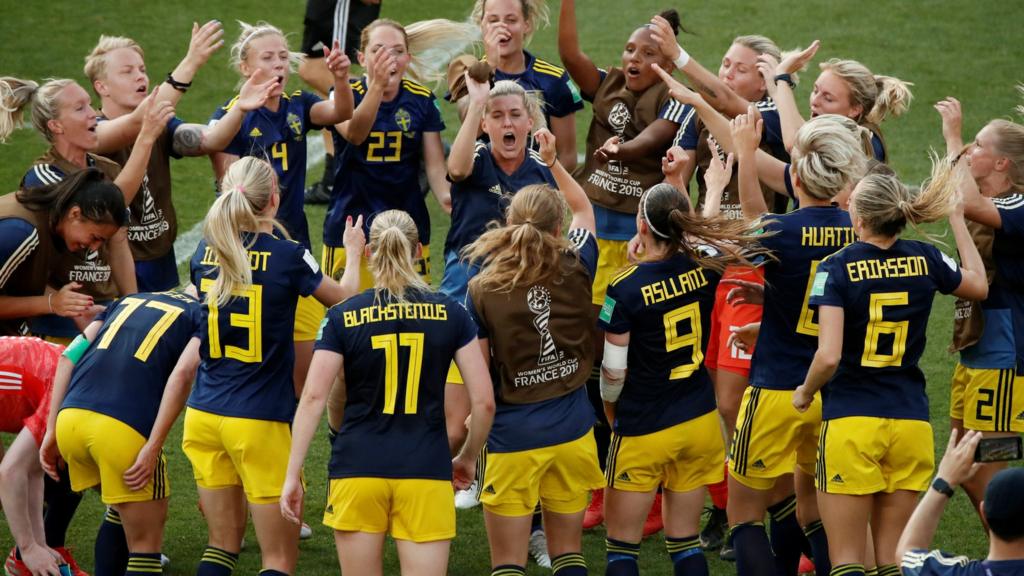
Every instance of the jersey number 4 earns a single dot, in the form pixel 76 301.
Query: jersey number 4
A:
pixel 129 306
pixel 675 340
pixel 251 322
pixel 390 343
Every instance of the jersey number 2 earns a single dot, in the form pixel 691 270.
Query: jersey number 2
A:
pixel 130 305
pixel 251 322
pixel 674 340
pixel 389 343
pixel 872 358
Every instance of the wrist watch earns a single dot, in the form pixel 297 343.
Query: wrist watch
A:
pixel 943 487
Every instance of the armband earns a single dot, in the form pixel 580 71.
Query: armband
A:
pixel 77 347
pixel 683 58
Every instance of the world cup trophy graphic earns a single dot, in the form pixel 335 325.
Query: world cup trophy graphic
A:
pixel 539 301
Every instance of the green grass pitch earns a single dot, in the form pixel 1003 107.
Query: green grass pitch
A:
pixel 940 46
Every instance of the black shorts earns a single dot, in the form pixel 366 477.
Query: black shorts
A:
pixel 323 15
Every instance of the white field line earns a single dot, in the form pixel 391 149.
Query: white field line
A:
pixel 185 244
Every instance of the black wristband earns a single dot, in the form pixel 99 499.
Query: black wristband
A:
pixel 179 86
pixel 787 78
pixel 943 487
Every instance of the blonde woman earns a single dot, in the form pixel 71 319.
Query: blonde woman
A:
pixel 237 423
pixel 874 297
pixel 528 301
pixel 989 335
pixel 390 470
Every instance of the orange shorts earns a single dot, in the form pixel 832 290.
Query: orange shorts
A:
pixel 721 356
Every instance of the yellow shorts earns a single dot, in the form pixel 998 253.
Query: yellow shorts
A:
pixel 611 259
pixel 681 458
pixel 988 400
pixel 772 438
pixel 227 451
pixel 865 455
pixel 84 439
pixel 560 477
pixel 408 509
pixel 333 263
pixel 309 314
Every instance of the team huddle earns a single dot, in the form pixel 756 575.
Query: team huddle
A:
pixel 603 347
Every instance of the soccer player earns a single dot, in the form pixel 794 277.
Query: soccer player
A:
pixel 237 423
pixel 844 87
pixel 37 226
pixel 27 366
pixel 277 131
pixel 150 341
pixel 657 393
pixel 507 26
pixel 634 121
pixel 390 470
pixel 986 394
pixel 772 440
pixel 117 73
pixel 396 126
pixel 529 301
pixel 875 453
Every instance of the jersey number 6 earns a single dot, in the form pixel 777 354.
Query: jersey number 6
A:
pixel 872 358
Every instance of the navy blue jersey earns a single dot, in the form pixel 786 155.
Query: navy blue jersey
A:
pixel 1001 345
pixel 665 307
pixel 557 92
pixel 383 173
pixel 125 369
pixel 886 295
pixel 687 137
pixel 938 563
pixel 541 342
pixel 397 356
pixel 247 351
pixel 280 138
pixel 789 327
pixel 486 193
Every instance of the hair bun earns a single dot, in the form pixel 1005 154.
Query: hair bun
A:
pixel 673 19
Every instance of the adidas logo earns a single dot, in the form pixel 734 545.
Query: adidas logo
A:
pixel 489 489
pixel 1020 416
pixel 623 477
pixel 759 464
pixel 837 479
pixel 330 509
pixel 255 133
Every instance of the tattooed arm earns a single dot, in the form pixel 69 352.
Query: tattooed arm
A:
pixel 188 140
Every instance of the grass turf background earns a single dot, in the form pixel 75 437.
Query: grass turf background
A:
pixel 940 46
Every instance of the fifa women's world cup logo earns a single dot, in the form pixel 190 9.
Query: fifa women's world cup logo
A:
pixel 539 301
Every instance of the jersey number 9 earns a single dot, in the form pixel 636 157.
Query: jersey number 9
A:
pixel 674 340
pixel 389 343
pixel 251 322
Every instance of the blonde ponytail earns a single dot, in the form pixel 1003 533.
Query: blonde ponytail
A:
pixel 528 250
pixel 431 44
pixel 246 192
pixel 886 205
pixel 16 94
pixel 393 243
pixel 827 156
pixel 878 96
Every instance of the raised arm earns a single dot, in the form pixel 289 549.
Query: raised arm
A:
pixel 952 125
pixel 710 86
pixel 781 91
pixel 205 40
pixel 379 66
pixel 338 109
pixel 746 136
pixel 330 292
pixel 460 157
pixel 575 197
pixel 581 69
pixel 157 115
pixel 218 136
pixel 716 178
pixel 974 281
